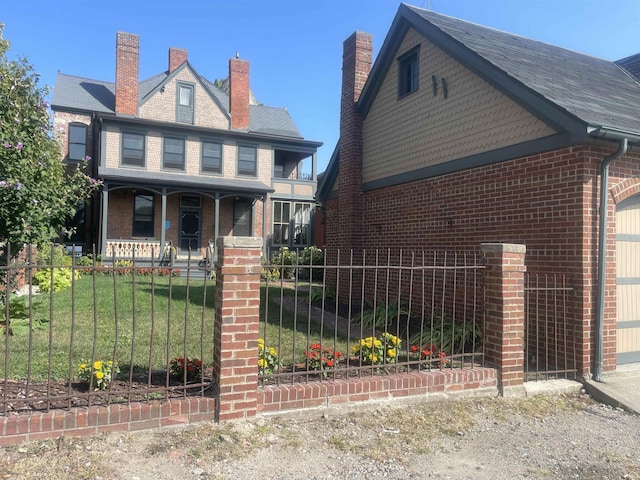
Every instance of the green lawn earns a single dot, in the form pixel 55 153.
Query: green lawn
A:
pixel 166 318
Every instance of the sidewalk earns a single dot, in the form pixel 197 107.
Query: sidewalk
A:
pixel 620 388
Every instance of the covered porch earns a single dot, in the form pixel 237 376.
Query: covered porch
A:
pixel 178 219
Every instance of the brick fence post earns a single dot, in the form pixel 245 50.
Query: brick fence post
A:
pixel 504 313
pixel 235 348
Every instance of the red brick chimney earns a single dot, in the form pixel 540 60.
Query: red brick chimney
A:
pixel 239 93
pixel 177 56
pixel 127 53
pixel 356 64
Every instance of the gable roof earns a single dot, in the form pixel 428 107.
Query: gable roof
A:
pixel 88 95
pixel 569 90
pixel 572 92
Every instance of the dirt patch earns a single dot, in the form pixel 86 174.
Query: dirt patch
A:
pixel 472 438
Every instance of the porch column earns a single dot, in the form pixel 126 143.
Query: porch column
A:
pixel 216 226
pixel 314 168
pixel 163 221
pixel 504 318
pixel 105 213
pixel 264 225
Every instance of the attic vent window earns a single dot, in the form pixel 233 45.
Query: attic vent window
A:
pixel 185 103
pixel 408 74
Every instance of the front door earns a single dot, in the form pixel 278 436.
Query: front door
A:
pixel 189 224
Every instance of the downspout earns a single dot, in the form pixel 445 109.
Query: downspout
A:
pixel 602 252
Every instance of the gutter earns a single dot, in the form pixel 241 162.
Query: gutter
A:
pixel 623 140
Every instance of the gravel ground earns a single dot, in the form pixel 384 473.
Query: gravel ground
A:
pixel 542 437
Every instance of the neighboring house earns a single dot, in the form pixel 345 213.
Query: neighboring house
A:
pixel 463 134
pixel 182 160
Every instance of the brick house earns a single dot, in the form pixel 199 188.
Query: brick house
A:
pixel 461 134
pixel 183 160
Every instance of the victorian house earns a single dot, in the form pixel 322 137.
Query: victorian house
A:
pixel 183 159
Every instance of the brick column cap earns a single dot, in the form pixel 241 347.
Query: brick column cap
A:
pixel 503 247
pixel 239 242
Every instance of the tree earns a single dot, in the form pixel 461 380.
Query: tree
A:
pixel 38 193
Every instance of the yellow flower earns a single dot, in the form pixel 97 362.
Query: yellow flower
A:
pixel 99 375
pixel 262 363
pixel 377 343
pixel 97 365
pixel 273 351
pixel 391 352
pixel 261 341
pixel 82 366
pixel 355 349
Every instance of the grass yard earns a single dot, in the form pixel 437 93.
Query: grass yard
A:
pixel 166 318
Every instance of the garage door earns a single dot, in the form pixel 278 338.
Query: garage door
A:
pixel 628 279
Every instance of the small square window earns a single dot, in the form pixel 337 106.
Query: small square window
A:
pixel 211 157
pixel 247 160
pixel 408 72
pixel 173 153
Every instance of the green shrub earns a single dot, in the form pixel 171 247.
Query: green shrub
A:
pixel 382 315
pixel 18 317
pixel 282 259
pixel 313 256
pixel 57 257
pixel 449 336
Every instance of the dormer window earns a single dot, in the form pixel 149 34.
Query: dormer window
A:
pixel 184 110
pixel 408 75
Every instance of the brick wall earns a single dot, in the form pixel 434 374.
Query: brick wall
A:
pixel 547 202
pixel 239 93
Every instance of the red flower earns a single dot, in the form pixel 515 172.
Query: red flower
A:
pixel 314 346
pixel 329 363
pixel 426 352
pixel 414 348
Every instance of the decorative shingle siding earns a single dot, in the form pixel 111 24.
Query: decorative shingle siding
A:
pixel 162 105
pixel 421 130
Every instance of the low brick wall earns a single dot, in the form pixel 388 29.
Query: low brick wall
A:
pixel 276 398
pixel 114 418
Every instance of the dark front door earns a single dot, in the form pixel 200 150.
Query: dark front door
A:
pixel 189 230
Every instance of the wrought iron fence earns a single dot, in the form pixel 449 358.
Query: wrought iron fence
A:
pixel 369 313
pixel 550 333
pixel 79 332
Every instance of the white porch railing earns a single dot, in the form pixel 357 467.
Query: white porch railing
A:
pixel 143 249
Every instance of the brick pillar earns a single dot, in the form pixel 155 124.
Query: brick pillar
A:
pixel 235 359
pixel 504 313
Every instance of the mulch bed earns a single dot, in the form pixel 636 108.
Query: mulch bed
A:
pixel 15 399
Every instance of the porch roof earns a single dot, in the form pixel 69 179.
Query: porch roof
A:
pixel 168 179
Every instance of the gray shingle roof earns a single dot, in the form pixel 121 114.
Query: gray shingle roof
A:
pixel 85 94
pixel 594 90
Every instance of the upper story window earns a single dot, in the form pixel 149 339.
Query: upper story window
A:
pixel 133 149
pixel 184 110
pixel 408 72
pixel 173 153
pixel 77 141
pixel 247 160
pixel 211 157
pixel 278 168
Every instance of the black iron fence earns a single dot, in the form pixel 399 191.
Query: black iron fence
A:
pixel 80 332
pixel 550 329
pixel 367 314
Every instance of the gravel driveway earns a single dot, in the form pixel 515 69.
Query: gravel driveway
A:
pixel 542 437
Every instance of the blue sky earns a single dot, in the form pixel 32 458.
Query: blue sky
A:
pixel 294 47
